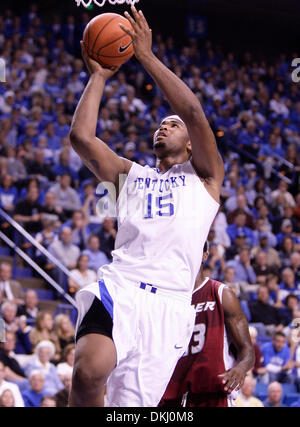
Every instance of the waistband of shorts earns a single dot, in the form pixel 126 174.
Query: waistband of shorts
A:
pixel 156 290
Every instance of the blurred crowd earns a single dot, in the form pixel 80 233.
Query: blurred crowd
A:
pixel 254 109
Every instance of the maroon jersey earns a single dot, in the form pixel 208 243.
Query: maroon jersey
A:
pixel 208 353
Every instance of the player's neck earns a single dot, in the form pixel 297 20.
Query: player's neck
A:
pixel 167 162
pixel 199 279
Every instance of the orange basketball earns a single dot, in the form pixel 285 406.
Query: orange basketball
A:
pixel 106 42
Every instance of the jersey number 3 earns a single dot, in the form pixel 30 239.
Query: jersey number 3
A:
pixel 162 206
pixel 197 340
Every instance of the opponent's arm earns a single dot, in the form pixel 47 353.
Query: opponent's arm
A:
pixel 238 330
pixel 206 158
pixel 95 154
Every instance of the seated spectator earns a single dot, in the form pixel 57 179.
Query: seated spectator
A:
pixel 11 289
pixel 288 284
pixel 38 168
pixel 261 266
pixel 33 396
pixel 241 205
pixel 64 330
pixel 233 250
pixel 80 231
pixel 239 226
pixel 274 396
pixel 43 330
pixel 45 237
pixel 287 231
pixel 7 385
pixel 44 352
pixel 81 276
pixel 285 251
pixel 64 250
pixel 13 370
pixel 7 399
pixel 63 165
pixel 66 197
pixel 89 200
pixel 291 303
pixel 273 260
pixel 242 267
pixel 66 367
pixel 282 191
pixel 28 212
pixel 216 262
pixel 53 141
pixel 263 312
pixel 30 307
pixel 48 402
pixel 107 236
pixel 258 364
pixel 277 360
pixel 245 398
pixel 8 193
pixel 62 397
pixel 97 258
pixel 51 211
pixel 295 265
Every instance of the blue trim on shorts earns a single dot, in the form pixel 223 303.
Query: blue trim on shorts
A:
pixel 106 298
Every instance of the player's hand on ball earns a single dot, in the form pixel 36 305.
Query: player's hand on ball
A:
pixel 94 67
pixel 141 35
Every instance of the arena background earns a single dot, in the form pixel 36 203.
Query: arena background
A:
pixel 270 31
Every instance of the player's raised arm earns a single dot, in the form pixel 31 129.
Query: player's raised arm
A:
pixel 96 155
pixel 206 158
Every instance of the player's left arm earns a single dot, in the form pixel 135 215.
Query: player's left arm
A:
pixel 238 329
pixel 206 158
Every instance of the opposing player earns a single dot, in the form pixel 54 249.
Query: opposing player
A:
pixel 136 322
pixel 220 352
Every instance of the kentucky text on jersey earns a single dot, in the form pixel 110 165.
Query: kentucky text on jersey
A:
pixel 160 185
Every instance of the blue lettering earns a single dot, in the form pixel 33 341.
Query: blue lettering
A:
pixel 160 186
pixel 154 182
pixel 173 181
pixel 167 185
pixel 140 186
pixel 182 177
pixel 147 182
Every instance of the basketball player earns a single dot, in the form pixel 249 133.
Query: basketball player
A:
pixel 211 370
pixel 136 322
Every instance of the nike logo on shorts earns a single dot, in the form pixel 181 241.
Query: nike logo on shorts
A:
pixel 177 347
pixel 122 49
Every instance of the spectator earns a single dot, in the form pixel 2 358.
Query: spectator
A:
pixel 64 330
pixel 48 402
pixel 64 250
pixel 273 260
pixel 11 289
pixel 242 267
pixel 7 399
pixel 288 284
pixel 286 249
pixel 261 267
pixel 13 370
pixel 295 265
pixel 265 314
pixel 66 367
pixel 80 231
pixel 7 385
pixel 17 326
pixel 8 193
pixel 33 396
pixel 239 226
pixel 97 258
pixel 287 231
pixel 28 212
pixel 30 308
pixel 291 303
pixel 43 330
pixel 245 398
pixel 107 236
pixel 274 396
pixel 66 196
pixel 277 360
pixel 81 276
pixel 51 211
pixel 62 397
pixel 258 354
pixel 44 352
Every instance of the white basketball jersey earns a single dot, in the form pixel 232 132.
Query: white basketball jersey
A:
pixel 163 220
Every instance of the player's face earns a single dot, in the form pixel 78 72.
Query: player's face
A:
pixel 171 138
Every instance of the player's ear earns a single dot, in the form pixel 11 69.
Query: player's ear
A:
pixel 189 147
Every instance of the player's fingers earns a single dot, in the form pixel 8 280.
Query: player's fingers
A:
pixel 127 30
pixel 131 20
pixel 136 15
pixel 143 19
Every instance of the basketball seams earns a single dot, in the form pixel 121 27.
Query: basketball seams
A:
pixel 105 25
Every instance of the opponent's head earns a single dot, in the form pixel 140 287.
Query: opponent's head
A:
pixel 172 138
pixel 205 252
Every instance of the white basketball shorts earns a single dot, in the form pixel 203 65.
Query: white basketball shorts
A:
pixel 151 331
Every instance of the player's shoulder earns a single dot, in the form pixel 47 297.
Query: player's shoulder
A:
pixel 209 287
